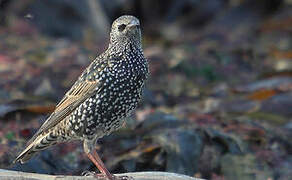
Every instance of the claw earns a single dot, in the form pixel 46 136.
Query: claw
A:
pixel 102 176
pixel 88 173
pixel 94 174
pixel 124 178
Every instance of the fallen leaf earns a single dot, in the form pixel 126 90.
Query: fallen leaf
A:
pixel 280 54
pixel 42 109
pixel 34 107
pixel 262 94
pixel 279 24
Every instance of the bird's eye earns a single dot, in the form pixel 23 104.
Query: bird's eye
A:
pixel 122 27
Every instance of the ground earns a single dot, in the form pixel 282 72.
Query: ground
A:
pixel 217 105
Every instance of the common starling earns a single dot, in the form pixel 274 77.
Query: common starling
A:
pixel 103 96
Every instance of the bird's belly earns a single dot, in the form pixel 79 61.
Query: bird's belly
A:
pixel 114 110
pixel 105 112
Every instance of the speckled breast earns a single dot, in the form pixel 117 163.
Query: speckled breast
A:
pixel 119 96
pixel 118 100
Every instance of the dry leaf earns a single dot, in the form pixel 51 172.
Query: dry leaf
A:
pixel 262 94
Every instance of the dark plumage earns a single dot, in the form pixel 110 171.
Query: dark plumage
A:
pixel 105 93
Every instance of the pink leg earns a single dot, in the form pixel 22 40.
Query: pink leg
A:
pixel 94 157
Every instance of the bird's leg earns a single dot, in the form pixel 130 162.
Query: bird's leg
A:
pixel 89 148
pixel 94 157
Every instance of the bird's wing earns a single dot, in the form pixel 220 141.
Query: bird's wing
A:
pixel 85 87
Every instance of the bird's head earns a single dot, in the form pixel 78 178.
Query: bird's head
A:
pixel 126 29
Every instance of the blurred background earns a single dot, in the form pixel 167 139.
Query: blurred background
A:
pixel 218 104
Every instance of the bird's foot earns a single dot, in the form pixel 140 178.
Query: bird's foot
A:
pixel 103 176
pixel 96 175
pixel 124 178
pixel 87 173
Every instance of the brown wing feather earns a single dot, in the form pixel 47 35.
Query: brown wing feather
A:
pixel 73 98
pixel 80 91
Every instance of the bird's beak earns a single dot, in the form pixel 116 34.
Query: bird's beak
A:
pixel 133 24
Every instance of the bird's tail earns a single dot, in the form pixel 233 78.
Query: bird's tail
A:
pixel 40 143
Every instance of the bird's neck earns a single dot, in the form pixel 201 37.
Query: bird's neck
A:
pixel 122 47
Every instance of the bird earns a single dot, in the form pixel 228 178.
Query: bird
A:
pixel 104 95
